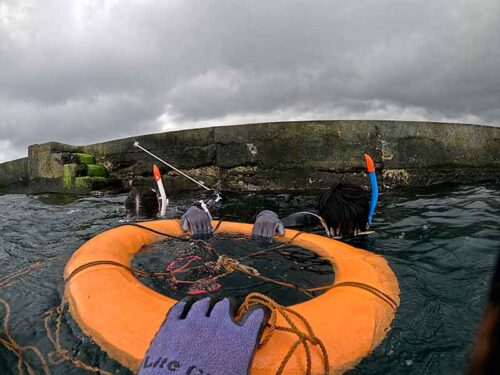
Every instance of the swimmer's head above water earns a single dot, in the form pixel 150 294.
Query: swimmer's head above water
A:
pixel 343 212
pixel 345 208
pixel 142 203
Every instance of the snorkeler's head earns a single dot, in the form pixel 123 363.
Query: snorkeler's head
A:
pixel 142 203
pixel 345 208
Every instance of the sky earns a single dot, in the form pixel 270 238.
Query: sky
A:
pixel 80 72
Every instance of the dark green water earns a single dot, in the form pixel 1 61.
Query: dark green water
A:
pixel 441 243
pixel 283 263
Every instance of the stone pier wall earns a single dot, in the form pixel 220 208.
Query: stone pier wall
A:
pixel 14 176
pixel 290 156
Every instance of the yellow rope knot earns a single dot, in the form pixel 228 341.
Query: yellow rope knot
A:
pixel 303 338
pixel 230 265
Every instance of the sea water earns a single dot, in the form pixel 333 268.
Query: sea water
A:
pixel 441 242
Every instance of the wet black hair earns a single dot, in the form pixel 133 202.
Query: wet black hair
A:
pixel 345 208
pixel 142 203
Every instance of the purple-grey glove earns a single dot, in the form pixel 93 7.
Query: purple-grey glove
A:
pixel 204 342
pixel 198 221
pixel 266 224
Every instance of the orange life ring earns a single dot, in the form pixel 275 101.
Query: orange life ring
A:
pixel 122 315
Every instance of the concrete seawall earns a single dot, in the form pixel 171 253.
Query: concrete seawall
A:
pixel 14 175
pixel 286 156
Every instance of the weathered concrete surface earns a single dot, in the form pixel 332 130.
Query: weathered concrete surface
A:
pixel 14 176
pixel 60 168
pixel 308 155
pixel 412 154
pixel 45 167
pixel 184 149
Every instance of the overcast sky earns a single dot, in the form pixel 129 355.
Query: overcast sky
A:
pixel 86 71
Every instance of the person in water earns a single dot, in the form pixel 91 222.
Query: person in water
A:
pixel 144 203
pixel 345 208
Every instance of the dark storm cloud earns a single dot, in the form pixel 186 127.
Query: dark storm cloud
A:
pixel 85 71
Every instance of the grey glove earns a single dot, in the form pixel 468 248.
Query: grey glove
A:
pixel 266 224
pixel 198 221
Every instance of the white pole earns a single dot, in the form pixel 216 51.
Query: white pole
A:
pixel 199 183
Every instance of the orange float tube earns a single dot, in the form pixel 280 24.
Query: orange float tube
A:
pixel 122 315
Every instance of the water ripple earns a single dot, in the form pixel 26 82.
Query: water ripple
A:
pixel 441 243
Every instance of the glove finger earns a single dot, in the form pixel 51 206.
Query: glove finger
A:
pixel 222 309
pixel 281 229
pixel 199 229
pixel 199 308
pixel 277 228
pixel 195 229
pixel 269 233
pixel 185 223
pixel 205 229
pixel 175 312
pixel 263 232
pixel 255 319
pixel 189 301
pixel 257 229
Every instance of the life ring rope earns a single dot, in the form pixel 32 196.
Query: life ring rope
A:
pixel 375 291
pixel 303 338
pixel 290 351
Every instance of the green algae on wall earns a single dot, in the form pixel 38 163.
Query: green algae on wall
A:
pixel 82 158
pixel 67 178
pixel 60 168
pixel 94 170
